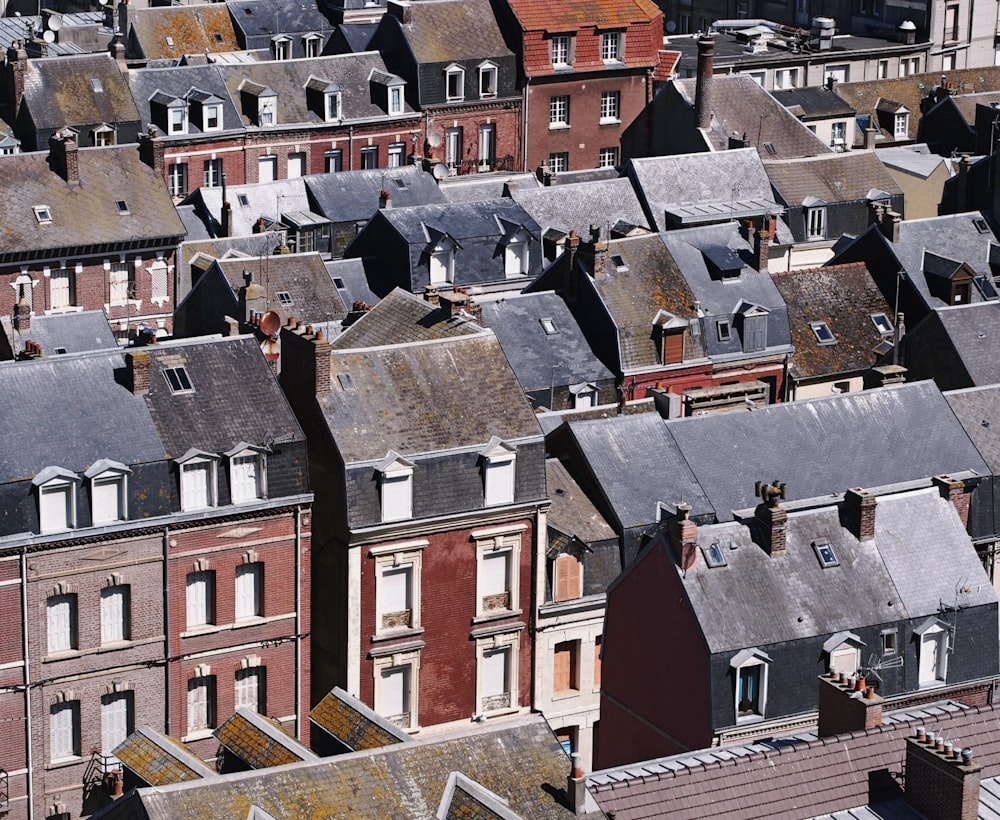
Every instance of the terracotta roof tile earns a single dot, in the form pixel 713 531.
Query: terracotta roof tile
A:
pixel 542 14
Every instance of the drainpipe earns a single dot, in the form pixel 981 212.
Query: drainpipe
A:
pixel 167 629
pixel 27 683
pixel 350 147
pixel 524 126
pixel 299 728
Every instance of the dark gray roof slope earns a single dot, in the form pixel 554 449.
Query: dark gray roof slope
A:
pixel 401 318
pixel 572 511
pixel 353 195
pixel 845 177
pixel 351 281
pixel 580 205
pixel 61 91
pixel 978 409
pixel 260 19
pixel 223 410
pixel 464 220
pixel 65 332
pixel 532 353
pixel 177 82
pixel 867 439
pixel 957 346
pixel 421 398
pixel 33 397
pixel 814 102
pixel 445 30
pixel 636 463
pixel 477 187
pixel 106 176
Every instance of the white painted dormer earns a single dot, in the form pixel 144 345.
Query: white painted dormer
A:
pixel 396 487
pixel 499 460
pixel 260 103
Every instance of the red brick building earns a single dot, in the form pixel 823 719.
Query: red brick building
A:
pixel 587 75
pixel 155 549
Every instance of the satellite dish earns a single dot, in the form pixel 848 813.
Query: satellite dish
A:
pixel 55 22
pixel 49 36
pixel 270 322
pixel 103 2
pixel 440 171
pixel 434 140
pixel 671 26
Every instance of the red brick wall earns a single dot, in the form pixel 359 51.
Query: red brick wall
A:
pixel 642 39
pixel 448 607
pixel 507 120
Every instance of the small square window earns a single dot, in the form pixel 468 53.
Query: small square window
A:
pixel 339 283
pixel 243 200
pixel 714 557
pixel 42 214
pixel 889 644
pixel 177 379
pixel 823 333
pixel 724 329
pixel 96 85
pixel 619 262
pixel 346 382
pixel 882 323
pixel 549 326
pixel 824 552
pixel 284 297
pixel 122 206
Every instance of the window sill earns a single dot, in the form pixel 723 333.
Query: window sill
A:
pixel 744 720
pixel 610 121
pixel 614 63
pixel 567 695
pixel 63 762
pixel 395 635
pixel 198 734
pixel 507 710
pixel 62 655
pixel 492 96
pixel 209 629
pixel 558 126
pixel 455 99
pixel 498 616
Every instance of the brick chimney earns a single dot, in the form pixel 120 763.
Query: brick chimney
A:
pixel 762 242
pixel 63 157
pixel 703 90
pixel 847 705
pixel 572 249
pixel 22 315
pixel 117 49
pixel 683 535
pixel 402 11
pixel 151 150
pixel 597 249
pixel 459 302
pixel 137 363
pixel 305 369
pixel 954 491
pixel 771 517
pixel 942 781
pixel 859 509
pixel 384 200
pixel 17 67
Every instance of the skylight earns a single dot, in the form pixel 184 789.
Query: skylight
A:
pixel 827 557
pixel 619 263
pixel 218 37
pixel 43 214
pixel 96 85
pixel 177 379
pixel 981 225
pixel 882 323
pixel 243 200
pixel 714 556
pixel 122 206
pixel 549 326
pixel 724 329
pixel 823 333
pixel 170 41
pixel 769 146
pixel 346 382
pixel 284 297
pixel 399 183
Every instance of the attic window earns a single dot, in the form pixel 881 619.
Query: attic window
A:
pixel 218 37
pixel 619 262
pixel 823 333
pixel 243 200
pixel 177 379
pixel 981 225
pixel 122 206
pixel 284 297
pixel 339 283
pixel 42 214
pixel 549 326
pixel 713 556
pixel 170 41
pixel 724 329
pixel 346 382
pixel 882 323
pixel 769 147
pixel 61 350
pixel 827 557
pixel 399 183
pixel 96 85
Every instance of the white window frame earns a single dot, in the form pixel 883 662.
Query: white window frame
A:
pixel 296 165
pixel 250 688
pixel 332 106
pixel 177 119
pixel 369 157
pixel 267 111
pixel 908 66
pixel 249 598
pixel 211 111
pixel 392 559
pixel 901 126
pixel 269 161
pixel 516 255
pixel 117 721
pixel 115 605
pixel 559 162
pixel 177 178
pixel 245 488
pixel 560 51
pixel 188 469
pixel 610 107
pixel 100 482
pixel 882 70
pixel 487 146
pixel 453 148
pixel 201 704
pixel 104 136
pixel 761 661
pixel 608 157
pixel 387 664
pixel 935 637
pixel 396 489
pixel 62 288
pixel 488 87
pixel 64 731
pixel 396 155
pixel 492 703
pixel 786 78
pixel 199 606
pixel 333 161
pixel 61 622
pixel 282 48
pixel 312 45
pixel 212 173
pixel 489 602
pixel 454 75
pixel 558 112
pixel 57 504
pixel 499 473
pixel 612 47
pixel 396 99
pixel 815 223
pixel 441 262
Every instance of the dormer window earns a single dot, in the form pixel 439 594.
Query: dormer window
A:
pixel 282 48
pixel 104 136
pixel 515 257
pixel 246 474
pixel 56 499
pixel 108 480
pixel 487 80
pixel 454 83
pixel 814 212
pixel 560 48
pixel 611 47
pixel 396 99
pixel 901 126
pixel 669 332
pixel 312 44
pixel 498 472
pixel 198 476
pixel 442 262
pixel 212 117
pixel 331 106
pixel 844 652
pixel 177 118
pixel 754 327
pixel 396 487
pixel 267 110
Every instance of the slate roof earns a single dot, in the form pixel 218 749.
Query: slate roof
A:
pixel 916 159
pixel 579 205
pixel 118 426
pixel 477 187
pixel 203 250
pixel 350 196
pixel 538 14
pixel 60 91
pixel 223 410
pixel 171 32
pixel 259 741
pixel 86 213
pixel 978 410
pixel 463 220
pixel 957 346
pixel 158 759
pixel 520 761
pixel 177 82
pixel 532 353
pixel 910 91
pixel 869 439
pixel 303 277
pixel 813 102
pixel 355 36
pixel 572 510
pixel 846 177
pixel 351 272
pixel 263 199
pixel 440 31
pixel 69 332
pixel 402 318
pixel 844 297
pixel 449 393
pixel 738 104
pixel 353 724
pixel 921 555
pixel 804 775
pixel 966 104
pixel 260 19
pixel 700 179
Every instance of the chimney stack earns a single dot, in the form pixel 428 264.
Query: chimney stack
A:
pixel 762 242
pixel 890 225
pixel 572 249
pixel 63 157
pixel 859 506
pixel 598 248
pixel 870 133
pixel 773 520
pixel 458 302
pixel 831 84
pixel 942 781
pixel 683 535
pixel 576 786
pixel 703 89
pixel 962 187
pixel 137 362
pixel 384 200
pixel 22 315
pixel 151 150
pixel 117 50
pixel 17 59
pixel 956 493
pixel 847 705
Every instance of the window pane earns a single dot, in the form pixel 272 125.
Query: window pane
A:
pixel 63 730
pixel 116 720
pixel 196 486
pixel 396 497
pixel 394 694
pixel 394 598
pixel 495 676
pixel 246 478
pixel 61 616
pixel 107 500
pixel 199 598
pixel 248 583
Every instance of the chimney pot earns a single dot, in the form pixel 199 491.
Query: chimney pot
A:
pixel 939 786
pixel 843 708
pixel 773 520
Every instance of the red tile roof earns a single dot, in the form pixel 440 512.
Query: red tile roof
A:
pixel 543 14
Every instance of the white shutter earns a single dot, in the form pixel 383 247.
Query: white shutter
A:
pixel 106 498
pixel 394 589
pixel 247 689
pixel 494 673
pixel 119 282
pixel 394 692
pixel 62 731
pixel 59 623
pixel 112 614
pixel 246 484
pixel 61 288
pixel 267 168
pixel 114 722
pixel 55 508
pixel 296 165
pixel 248 590
pixel 494 573
pixel 197 704
pixel 197 599
pixel 397 497
pixel 158 275
pixel 195 491
pixel 500 482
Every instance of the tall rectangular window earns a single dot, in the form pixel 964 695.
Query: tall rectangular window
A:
pixel 816 223
pixel 200 598
pixel 882 72
pixel 177 179
pixel 267 169
pixel 487 80
pixel 487 146
pixel 247 477
pixel 750 690
pixel 559 162
pixel 114 614
pixel 249 582
pixel 369 157
pixel 568 578
pixel 565 671
pixel 496 580
pixel 296 165
pixel 64 731
pixel 201 703
pixel 901 126
pixel 394 695
pixel 107 497
pixel 499 478
pixel 453 147
pixel 495 685
pixel 117 720
pixel 56 506
pixel 598 641
pixel 213 173
pixel 611 47
pixel 455 83
pixel 559 111
pixel 159 284
pixel 951 23
pixel 197 485
pixel 212 117
pixel 396 100
pixel 333 161
pixel 608 158
pixel 61 617
pixel 397 153
pixel 560 51
pixel 62 288
pixel 609 106
pixel 251 689
pixel 397 496
pixel 394 598
pixel 121 285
